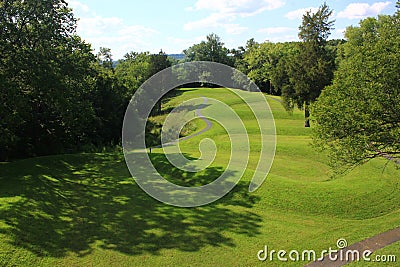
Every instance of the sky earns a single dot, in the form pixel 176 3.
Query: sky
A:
pixel 175 25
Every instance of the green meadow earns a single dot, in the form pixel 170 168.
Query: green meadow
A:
pixel 87 210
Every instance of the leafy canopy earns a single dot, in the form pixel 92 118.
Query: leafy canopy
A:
pixel 358 116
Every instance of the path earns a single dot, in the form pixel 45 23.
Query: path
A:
pixel 373 244
pixel 201 116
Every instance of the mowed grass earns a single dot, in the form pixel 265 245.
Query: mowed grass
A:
pixel 86 210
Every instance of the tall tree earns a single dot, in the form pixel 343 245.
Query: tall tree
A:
pixel 312 68
pixel 357 117
pixel 43 79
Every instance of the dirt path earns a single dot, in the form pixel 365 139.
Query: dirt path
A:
pixel 372 244
pixel 200 115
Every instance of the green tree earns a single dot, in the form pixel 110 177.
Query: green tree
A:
pixel 136 68
pixel 311 69
pixel 280 57
pixel 44 70
pixel 110 99
pixel 133 71
pixel 211 50
pixel 357 117
pixel 258 64
pixel 104 57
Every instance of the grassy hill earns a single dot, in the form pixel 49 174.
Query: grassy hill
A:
pixel 85 209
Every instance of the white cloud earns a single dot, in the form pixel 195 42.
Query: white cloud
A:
pixel 280 34
pixel 92 26
pixel 298 14
pixel 363 10
pixel 136 30
pixel 78 6
pixel 116 34
pixel 179 44
pixel 234 28
pixel 211 21
pixel 239 7
pixel 341 31
pixel 112 32
pixel 216 20
pixel 276 30
pixel 225 12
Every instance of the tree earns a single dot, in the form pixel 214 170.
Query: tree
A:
pixel 311 69
pixel 280 58
pixel 258 64
pixel 44 70
pixel 357 117
pixel 211 50
pixel 136 68
pixel 133 71
pixel 104 57
pixel 109 98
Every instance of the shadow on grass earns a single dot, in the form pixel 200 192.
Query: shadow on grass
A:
pixel 56 205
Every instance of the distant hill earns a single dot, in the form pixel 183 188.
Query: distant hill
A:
pixel 177 56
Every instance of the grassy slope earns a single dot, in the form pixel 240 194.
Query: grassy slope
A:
pixel 86 209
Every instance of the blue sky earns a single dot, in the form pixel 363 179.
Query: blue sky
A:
pixel 139 26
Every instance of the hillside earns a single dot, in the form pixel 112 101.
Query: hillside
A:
pixel 86 209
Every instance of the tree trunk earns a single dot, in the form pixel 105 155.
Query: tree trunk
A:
pixel 307 115
pixel 159 107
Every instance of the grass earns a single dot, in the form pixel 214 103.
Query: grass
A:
pixel 86 210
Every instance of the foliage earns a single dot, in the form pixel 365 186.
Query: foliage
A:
pixel 44 70
pixel 358 116
pixel 268 65
pixel 211 50
pixel 311 69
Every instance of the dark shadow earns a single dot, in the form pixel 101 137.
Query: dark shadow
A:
pixel 68 203
pixel 186 108
pixel 175 93
pixel 153 130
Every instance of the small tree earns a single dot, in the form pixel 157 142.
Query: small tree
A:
pixel 104 57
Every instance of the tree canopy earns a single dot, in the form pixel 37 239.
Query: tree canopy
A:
pixel 211 50
pixel 358 116
pixel 43 79
pixel 311 69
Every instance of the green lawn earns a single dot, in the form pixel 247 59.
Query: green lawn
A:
pixel 86 210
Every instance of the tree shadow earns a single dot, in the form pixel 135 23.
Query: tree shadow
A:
pixel 184 108
pixel 153 130
pixel 63 204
